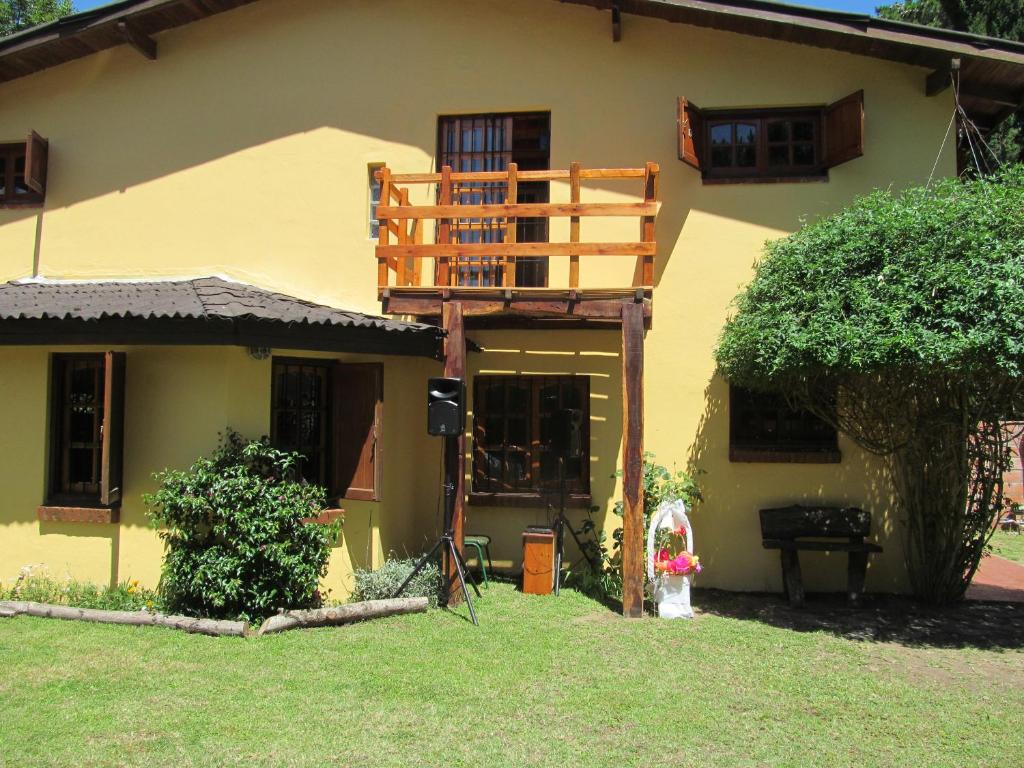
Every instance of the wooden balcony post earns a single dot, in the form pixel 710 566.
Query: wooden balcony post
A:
pixel 511 222
pixel 444 227
pixel 632 459
pixel 383 235
pixel 404 227
pixel 574 224
pixel 646 266
pixel 455 461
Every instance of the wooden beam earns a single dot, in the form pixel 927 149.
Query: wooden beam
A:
pixel 455 461
pixel 492 210
pixel 574 222
pixel 939 80
pixel 498 250
pixel 632 460
pixel 137 39
pixel 595 309
pixel 511 225
pixel 553 175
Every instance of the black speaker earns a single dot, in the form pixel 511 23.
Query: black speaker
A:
pixel 446 406
pixel 567 433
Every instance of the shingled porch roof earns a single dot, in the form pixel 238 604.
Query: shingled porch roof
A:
pixel 207 310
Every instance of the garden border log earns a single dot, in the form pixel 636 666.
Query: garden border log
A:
pixel 342 614
pixel 213 627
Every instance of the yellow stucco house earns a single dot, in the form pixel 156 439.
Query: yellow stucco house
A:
pixel 240 214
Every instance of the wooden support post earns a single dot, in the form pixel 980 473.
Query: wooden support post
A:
pixel 939 80
pixel 137 39
pixel 404 227
pixel 856 573
pixel 646 266
pixel 574 224
pixel 616 23
pixel 792 580
pixel 444 227
pixel 632 460
pixel 455 461
pixel 383 234
pixel 511 223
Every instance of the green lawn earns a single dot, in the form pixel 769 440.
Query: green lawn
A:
pixel 542 681
pixel 1008 545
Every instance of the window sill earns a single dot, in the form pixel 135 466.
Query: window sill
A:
pixel 326 517
pixel 51 514
pixel 528 500
pixel 715 180
pixel 776 456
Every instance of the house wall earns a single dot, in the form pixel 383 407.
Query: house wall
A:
pixel 178 400
pixel 243 150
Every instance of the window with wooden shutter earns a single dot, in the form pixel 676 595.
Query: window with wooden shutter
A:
pixel 844 129
pixel 87 429
pixel 300 414
pixel 690 127
pixel 357 404
pixel 23 172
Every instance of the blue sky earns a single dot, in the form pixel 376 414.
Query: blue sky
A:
pixel 856 6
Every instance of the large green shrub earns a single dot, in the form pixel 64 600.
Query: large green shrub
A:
pixel 900 320
pixel 236 543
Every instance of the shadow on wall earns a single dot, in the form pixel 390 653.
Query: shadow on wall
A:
pixel 727 528
pixel 92 535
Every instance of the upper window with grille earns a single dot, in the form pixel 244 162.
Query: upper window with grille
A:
pixel 23 172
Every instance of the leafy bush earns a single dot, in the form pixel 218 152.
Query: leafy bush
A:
pixel 899 321
pixel 36 585
pixel 236 543
pixel 605 583
pixel 385 581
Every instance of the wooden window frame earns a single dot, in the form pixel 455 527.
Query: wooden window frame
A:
pixel 530 271
pixel 531 495
pixel 762 171
pixel 107 444
pixel 25 151
pixel 324 473
pixel 332 416
pixel 749 450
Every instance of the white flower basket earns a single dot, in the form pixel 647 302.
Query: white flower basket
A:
pixel 671 590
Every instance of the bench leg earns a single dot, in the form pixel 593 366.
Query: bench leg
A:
pixel 856 572
pixel 792 581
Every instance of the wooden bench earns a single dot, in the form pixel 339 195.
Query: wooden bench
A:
pixel 787 528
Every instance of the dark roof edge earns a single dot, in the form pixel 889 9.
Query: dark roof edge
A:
pixel 854 23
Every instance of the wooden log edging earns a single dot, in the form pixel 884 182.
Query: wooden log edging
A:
pixel 212 627
pixel 342 614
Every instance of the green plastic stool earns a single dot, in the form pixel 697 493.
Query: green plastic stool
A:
pixel 482 545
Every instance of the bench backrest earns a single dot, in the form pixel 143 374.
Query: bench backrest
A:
pixel 797 521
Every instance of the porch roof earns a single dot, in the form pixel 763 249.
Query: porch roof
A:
pixel 206 310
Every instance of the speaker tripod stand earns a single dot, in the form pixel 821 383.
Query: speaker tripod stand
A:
pixel 446 543
pixel 558 524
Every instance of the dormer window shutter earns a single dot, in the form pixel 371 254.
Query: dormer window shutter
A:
pixel 112 456
pixel 36 150
pixel 690 127
pixel 844 129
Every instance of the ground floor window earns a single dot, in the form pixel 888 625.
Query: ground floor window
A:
pixel 86 423
pixel 330 413
pixel 764 428
pixel 531 433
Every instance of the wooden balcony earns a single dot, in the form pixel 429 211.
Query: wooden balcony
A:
pixel 490 249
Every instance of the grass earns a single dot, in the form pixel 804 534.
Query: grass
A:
pixel 1008 545
pixel 541 681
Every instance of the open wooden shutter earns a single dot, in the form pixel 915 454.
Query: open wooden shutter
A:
pixel 111 472
pixel 36 150
pixel 357 402
pixel 844 129
pixel 690 126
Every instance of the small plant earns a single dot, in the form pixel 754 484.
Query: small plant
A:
pixel 34 584
pixel 385 581
pixel 236 542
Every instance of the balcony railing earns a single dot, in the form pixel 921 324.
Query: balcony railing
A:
pixel 480 228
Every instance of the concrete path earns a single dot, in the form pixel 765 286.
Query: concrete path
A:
pixel 998 579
